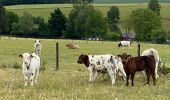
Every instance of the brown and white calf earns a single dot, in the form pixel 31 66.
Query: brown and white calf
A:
pixel 72 46
pixel 133 64
pixel 30 67
pixel 97 63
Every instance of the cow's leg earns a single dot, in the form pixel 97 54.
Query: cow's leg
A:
pixel 91 73
pixel 112 73
pixel 153 77
pixel 36 75
pixel 26 80
pixel 148 76
pixel 156 70
pixel 32 79
pixel 132 78
pixel 95 75
pixel 127 79
pixel 121 70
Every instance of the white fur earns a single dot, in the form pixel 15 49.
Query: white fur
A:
pixel 112 66
pixel 32 72
pixel 37 47
pixel 153 52
pixel 125 43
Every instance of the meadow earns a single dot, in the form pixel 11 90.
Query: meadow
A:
pixel 44 10
pixel 71 81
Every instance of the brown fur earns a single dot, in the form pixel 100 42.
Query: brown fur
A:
pixel 72 46
pixel 133 64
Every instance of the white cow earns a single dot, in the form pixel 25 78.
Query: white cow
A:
pixel 153 52
pixel 124 43
pixel 95 63
pixel 37 47
pixel 30 67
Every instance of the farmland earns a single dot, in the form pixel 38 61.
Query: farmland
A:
pixel 44 10
pixel 71 81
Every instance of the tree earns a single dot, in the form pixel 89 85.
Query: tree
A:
pixel 57 23
pixel 11 18
pixel 143 22
pixel 3 20
pixel 25 26
pixel 96 25
pixel 113 18
pixel 154 6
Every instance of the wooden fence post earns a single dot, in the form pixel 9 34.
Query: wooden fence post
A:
pixel 57 57
pixel 138 50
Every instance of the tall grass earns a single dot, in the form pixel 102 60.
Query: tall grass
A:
pixel 71 81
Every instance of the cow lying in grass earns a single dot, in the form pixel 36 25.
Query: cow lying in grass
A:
pixel 30 67
pixel 97 63
pixel 37 47
pixel 72 46
pixel 153 52
pixel 133 64
pixel 124 43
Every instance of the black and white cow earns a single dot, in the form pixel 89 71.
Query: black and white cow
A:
pixel 124 43
pixel 96 63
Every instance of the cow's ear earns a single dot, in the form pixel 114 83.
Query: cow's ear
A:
pixel 31 56
pixel 119 55
pixel 20 56
pixel 129 56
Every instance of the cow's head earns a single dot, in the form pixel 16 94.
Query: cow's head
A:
pixel 83 59
pixel 124 57
pixel 37 43
pixel 26 57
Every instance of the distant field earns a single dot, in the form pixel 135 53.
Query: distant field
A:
pixel 71 81
pixel 128 1
pixel 44 10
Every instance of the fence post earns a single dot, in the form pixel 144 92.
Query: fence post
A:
pixel 57 57
pixel 138 50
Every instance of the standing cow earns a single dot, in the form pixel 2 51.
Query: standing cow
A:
pixel 37 47
pixel 153 52
pixel 124 43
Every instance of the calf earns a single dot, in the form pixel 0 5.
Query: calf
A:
pixel 153 52
pixel 30 67
pixel 37 47
pixel 133 64
pixel 124 43
pixel 97 63
pixel 72 46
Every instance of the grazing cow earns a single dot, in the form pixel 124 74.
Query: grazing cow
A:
pixel 72 46
pixel 37 47
pixel 133 64
pixel 30 67
pixel 153 52
pixel 97 63
pixel 124 43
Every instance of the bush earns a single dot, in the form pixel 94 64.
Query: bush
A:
pixel 158 36
pixel 115 36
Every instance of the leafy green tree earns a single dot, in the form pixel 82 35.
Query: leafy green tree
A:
pixel 158 36
pixel 96 25
pixel 154 6
pixel 57 23
pixel 144 21
pixel 11 18
pixel 113 18
pixel 3 20
pixel 25 26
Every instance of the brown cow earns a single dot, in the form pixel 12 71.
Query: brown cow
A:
pixel 133 64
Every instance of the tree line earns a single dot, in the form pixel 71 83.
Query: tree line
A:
pixel 84 21
pixel 15 2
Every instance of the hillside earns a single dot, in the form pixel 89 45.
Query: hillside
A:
pixel 128 1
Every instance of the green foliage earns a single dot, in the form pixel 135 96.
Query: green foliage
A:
pixel 159 36
pixel 96 25
pixel 57 24
pixel 144 21
pixel 128 1
pixel 154 6
pixel 25 26
pixel 115 36
pixel 3 20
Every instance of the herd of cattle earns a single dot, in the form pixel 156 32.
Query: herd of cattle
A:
pixel 123 65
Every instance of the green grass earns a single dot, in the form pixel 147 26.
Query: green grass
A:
pixel 71 81
pixel 44 10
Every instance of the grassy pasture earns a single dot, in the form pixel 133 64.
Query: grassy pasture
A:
pixel 44 10
pixel 71 81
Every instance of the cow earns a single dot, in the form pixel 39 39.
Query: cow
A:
pixel 72 46
pixel 153 52
pixel 30 67
pixel 97 63
pixel 124 43
pixel 133 64
pixel 37 47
